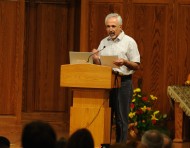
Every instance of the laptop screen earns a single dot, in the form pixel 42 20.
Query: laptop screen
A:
pixel 80 57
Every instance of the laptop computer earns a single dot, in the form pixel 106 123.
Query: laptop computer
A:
pixel 108 61
pixel 80 57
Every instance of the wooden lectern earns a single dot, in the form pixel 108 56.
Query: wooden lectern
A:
pixel 91 85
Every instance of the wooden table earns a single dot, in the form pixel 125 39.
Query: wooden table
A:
pixel 181 96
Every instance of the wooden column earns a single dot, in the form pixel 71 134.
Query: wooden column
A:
pixel 178 123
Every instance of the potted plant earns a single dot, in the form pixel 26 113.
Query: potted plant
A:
pixel 142 116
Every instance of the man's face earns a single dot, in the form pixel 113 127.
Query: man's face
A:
pixel 113 28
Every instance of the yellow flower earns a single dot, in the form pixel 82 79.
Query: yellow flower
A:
pixel 131 114
pixel 137 90
pixel 153 97
pixel 133 100
pixel 156 112
pixel 153 117
pixel 143 108
pixel 139 96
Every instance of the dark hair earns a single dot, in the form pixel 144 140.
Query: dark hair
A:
pixel 38 134
pixel 4 142
pixel 153 139
pixel 81 138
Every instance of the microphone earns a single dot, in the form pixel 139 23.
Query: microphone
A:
pixel 95 53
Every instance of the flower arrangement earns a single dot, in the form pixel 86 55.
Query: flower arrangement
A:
pixel 142 117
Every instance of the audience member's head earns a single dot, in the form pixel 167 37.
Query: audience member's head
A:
pixel 4 142
pixel 167 141
pixel 61 143
pixel 38 134
pixel 152 139
pixel 82 138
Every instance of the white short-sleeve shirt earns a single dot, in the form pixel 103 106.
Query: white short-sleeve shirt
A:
pixel 124 47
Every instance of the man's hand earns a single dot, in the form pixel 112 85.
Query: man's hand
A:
pixel 95 56
pixel 129 64
pixel 119 62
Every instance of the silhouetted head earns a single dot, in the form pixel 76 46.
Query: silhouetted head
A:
pixel 81 138
pixel 38 134
pixel 4 142
pixel 152 139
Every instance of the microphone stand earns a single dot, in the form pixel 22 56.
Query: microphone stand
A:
pixel 95 53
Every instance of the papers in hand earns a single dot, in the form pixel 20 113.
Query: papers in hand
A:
pixel 108 61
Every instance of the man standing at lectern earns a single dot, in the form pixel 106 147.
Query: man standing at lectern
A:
pixel 125 47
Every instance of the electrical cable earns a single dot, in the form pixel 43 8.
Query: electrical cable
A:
pixel 96 115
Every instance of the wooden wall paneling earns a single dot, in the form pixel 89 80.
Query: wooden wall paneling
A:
pixel 46 49
pixel 92 19
pixel 183 41
pixel 128 27
pixel 51 53
pixel 184 2
pixel 74 26
pixel 128 23
pixel 73 45
pixel 30 57
pixel 170 62
pixel 59 120
pixel 11 59
pixel 151 33
pixel 97 13
pixel 84 26
pixel 152 2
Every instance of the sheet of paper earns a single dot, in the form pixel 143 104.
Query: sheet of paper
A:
pixel 108 61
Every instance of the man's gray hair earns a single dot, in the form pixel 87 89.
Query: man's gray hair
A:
pixel 114 15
